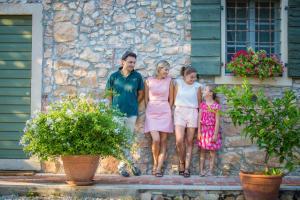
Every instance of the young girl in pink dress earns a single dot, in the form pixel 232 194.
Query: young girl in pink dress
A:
pixel 159 100
pixel 209 136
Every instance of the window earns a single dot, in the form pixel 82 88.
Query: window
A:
pixel 252 23
pixel 260 24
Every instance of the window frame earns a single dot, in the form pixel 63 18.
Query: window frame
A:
pixel 36 11
pixel 284 80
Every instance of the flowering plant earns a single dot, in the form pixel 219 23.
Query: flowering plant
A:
pixel 255 64
pixel 77 126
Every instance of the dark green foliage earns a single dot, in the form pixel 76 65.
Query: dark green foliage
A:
pixel 77 126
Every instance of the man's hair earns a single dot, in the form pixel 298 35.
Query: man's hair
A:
pixel 128 54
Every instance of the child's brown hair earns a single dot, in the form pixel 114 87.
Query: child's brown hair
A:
pixel 212 89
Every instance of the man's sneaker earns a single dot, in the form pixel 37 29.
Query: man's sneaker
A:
pixel 123 172
pixel 136 171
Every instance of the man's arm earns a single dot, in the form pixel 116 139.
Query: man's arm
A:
pixel 140 95
pixel 109 90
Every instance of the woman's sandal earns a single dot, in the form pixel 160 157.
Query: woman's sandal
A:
pixel 159 174
pixel 186 173
pixel 181 172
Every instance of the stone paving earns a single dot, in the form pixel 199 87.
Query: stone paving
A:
pixel 146 187
pixel 143 180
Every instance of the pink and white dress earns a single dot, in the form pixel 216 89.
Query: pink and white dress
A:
pixel 208 121
pixel 158 111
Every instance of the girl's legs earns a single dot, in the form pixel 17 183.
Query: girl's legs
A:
pixel 163 150
pixel 179 134
pixel 202 161
pixel 155 148
pixel 212 161
pixel 189 148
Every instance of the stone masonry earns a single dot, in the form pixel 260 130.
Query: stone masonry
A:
pixel 83 43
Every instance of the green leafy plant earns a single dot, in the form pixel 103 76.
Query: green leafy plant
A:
pixel 77 126
pixel 272 124
pixel 255 64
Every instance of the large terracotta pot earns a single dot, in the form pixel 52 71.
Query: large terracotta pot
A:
pixel 260 187
pixel 80 169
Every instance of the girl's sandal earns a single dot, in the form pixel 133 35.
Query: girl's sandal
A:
pixel 181 172
pixel 202 174
pixel 186 173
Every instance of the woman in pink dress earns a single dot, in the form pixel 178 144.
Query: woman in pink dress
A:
pixel 209 136
pixel 159 100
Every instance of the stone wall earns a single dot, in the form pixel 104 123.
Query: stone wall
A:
pixel 83 43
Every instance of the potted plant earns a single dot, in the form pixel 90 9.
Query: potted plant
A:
pixel 255 64
pixel 274 126
pixel 80 130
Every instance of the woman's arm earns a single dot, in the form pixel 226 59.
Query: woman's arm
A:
pixel 175 92
pixel 146 93
pixel 171 94
pixel 199 125
pixel 199 95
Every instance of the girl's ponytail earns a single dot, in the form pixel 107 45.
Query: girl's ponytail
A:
pixel 182 71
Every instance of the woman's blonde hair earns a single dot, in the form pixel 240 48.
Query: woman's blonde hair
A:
pixel 161 64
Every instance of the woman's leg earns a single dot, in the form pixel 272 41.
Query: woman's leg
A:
pixel 179 134
pixel 212 161
pixel 155 148
pixel 189 147
pixel 202 162
pixel 163 150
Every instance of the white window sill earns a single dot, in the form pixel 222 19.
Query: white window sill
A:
pixel 276 81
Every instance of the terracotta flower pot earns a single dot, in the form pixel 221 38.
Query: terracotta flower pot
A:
pixel 262 187
pixel 80 169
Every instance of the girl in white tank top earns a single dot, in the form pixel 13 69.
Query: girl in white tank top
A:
pixel 187 99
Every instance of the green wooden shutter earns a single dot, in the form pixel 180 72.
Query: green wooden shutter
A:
pixel 294 38
pixel 15 75
pixel 206 36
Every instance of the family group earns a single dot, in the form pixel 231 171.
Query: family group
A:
pixel 182 106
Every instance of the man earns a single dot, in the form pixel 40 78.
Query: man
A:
pixel 126 91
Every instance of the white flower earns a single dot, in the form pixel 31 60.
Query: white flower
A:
pixel 69 112
pixel 49 121
pixel 105 101
pixel 117 130
pixel 28 122
pixel 34 126
pixel 25 129
pixel 82 95
pixel 117 120
pixel 102 110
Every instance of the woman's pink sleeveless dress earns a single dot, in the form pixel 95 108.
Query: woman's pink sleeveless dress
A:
pixel 158 111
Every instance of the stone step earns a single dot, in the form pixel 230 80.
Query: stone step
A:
pixel 142 187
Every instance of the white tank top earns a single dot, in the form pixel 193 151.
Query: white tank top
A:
pixel 187 94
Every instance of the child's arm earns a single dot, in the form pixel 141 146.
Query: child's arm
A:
pixel 217 126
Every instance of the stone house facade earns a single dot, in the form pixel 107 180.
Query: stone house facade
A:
pixel 53 48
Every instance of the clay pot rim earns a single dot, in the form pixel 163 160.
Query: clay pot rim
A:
pixel 87 155
pixel 251 174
